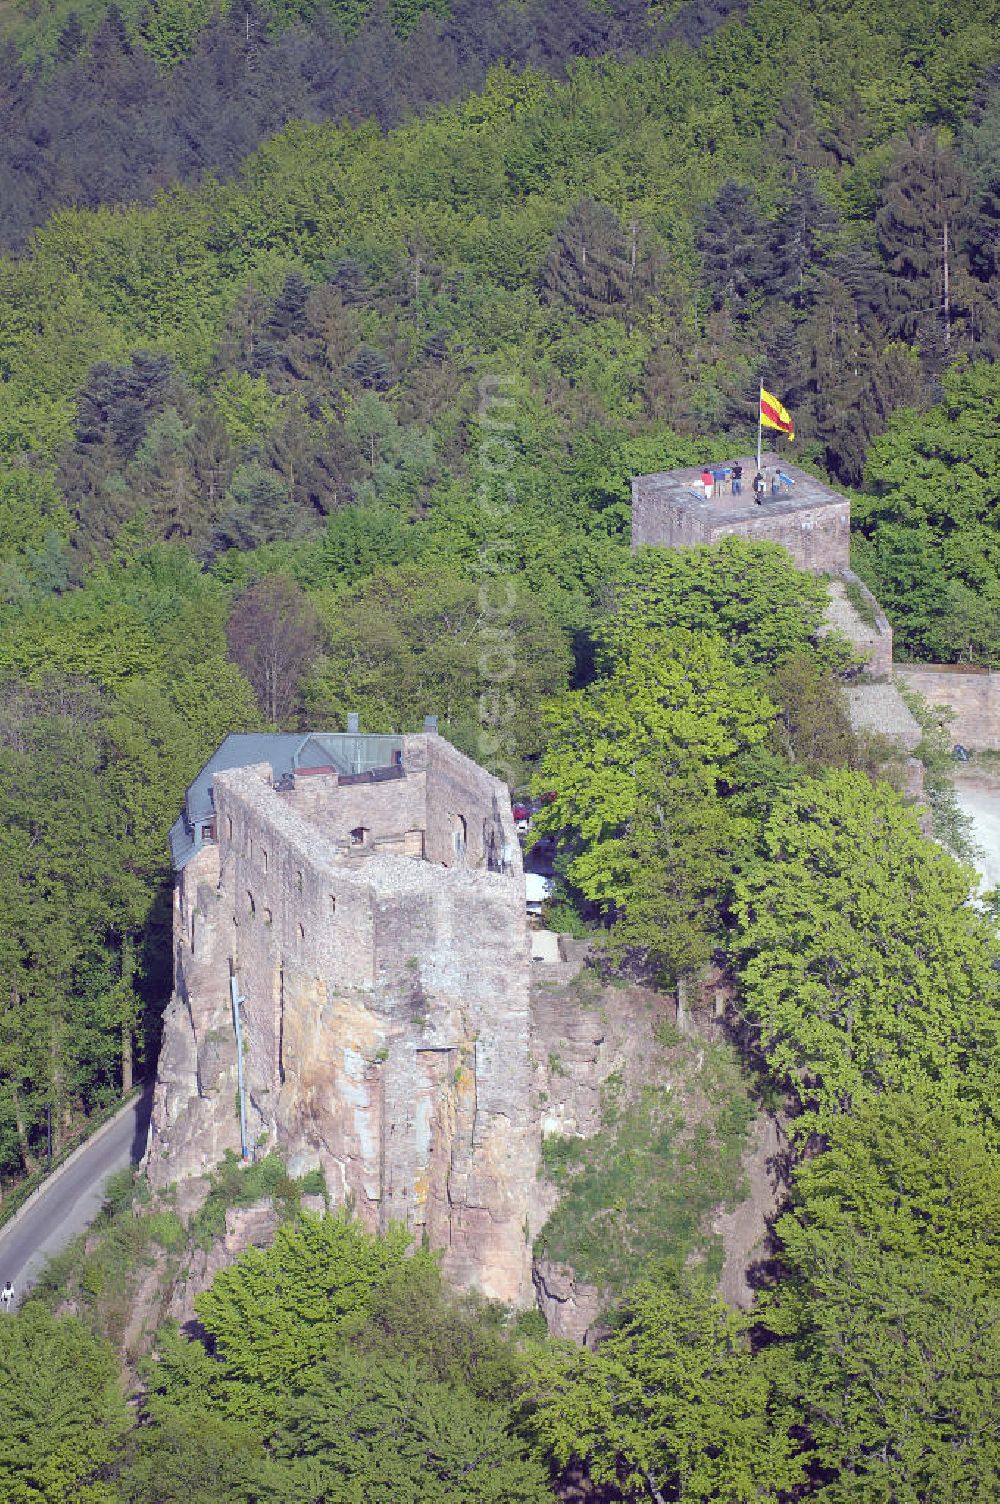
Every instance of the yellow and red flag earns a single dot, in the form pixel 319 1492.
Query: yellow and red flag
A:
pixel 774 415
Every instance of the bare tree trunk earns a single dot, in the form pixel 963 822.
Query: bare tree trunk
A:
pixel 128 973
pixel 946 282
pixel 682 1000
pixel 654 1491
pixel 126 1059
pixel 27 1158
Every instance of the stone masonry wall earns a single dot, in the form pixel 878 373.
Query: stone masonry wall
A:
pixel 385 1017
pixel 817 537
pixel 443 795
pixel 971 693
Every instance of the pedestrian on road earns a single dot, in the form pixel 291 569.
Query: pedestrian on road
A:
pixel 737 479
pixel 7 1299
pixel 759 487
pixel 708 481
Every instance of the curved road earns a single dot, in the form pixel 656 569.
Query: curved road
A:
pixel 67 1203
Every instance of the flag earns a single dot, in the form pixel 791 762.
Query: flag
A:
pixel 773 415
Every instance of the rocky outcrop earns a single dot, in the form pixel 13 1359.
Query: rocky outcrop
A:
pixel 251 1226
pixel 572 1308
pixel 746 1229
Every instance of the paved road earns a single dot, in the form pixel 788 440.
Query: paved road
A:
pixel 70 1201
pixel 979 796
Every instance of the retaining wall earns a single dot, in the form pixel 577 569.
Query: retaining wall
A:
pixel 972 694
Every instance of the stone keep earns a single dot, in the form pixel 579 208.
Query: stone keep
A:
pixel 810 519
pixel 376 930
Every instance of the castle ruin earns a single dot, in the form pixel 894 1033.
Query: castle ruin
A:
pixel 354 906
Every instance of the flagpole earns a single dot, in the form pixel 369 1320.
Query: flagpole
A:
pixel 760 403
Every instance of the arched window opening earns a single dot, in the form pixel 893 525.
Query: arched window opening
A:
pixel 458 834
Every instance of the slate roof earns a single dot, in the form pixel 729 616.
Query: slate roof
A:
pixel 286 751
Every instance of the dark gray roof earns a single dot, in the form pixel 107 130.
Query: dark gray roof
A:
pixel 286 751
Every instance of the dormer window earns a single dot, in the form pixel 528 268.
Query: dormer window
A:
pixel 359 836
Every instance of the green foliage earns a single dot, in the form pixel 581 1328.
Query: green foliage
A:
pixel 929 547
pixel 749 594
pixel 234 1183
pixel 680 849
pixel 414 640
pixel 64 1415
pixel 903 1172
pixel 813 726
pixel 166 1229
pixel 671 1405
pixel 675 701
pixel 197 1459
pixel 889 1312
pixel 248 407
pixel 272 1314
pixel 414 372
pixel 952 826
pixel 170 28
pixel 860 960
pixel 341 1370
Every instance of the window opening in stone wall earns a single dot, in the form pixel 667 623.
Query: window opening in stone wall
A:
pixel 250 848
pixel 333 904
pixel 492 847
pixel 266 916
pixel 263 858
pixel 458 833
pixel 250 903
pixel 229 827
pixel 359 836
pixel 298 882
pixel 301 932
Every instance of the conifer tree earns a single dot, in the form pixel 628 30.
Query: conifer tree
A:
pixel 922 231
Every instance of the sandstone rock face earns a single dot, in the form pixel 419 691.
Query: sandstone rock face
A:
pixel 580 1037
pixel 571 1308
pixel 746 1229
pixel 246 1227
pixel 376 932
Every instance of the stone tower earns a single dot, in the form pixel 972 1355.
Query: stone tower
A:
pixel 364 897
pixel 809 518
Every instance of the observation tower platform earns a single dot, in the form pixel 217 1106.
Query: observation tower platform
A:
pixel 809 518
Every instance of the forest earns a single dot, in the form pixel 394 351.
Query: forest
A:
pixel 324 326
